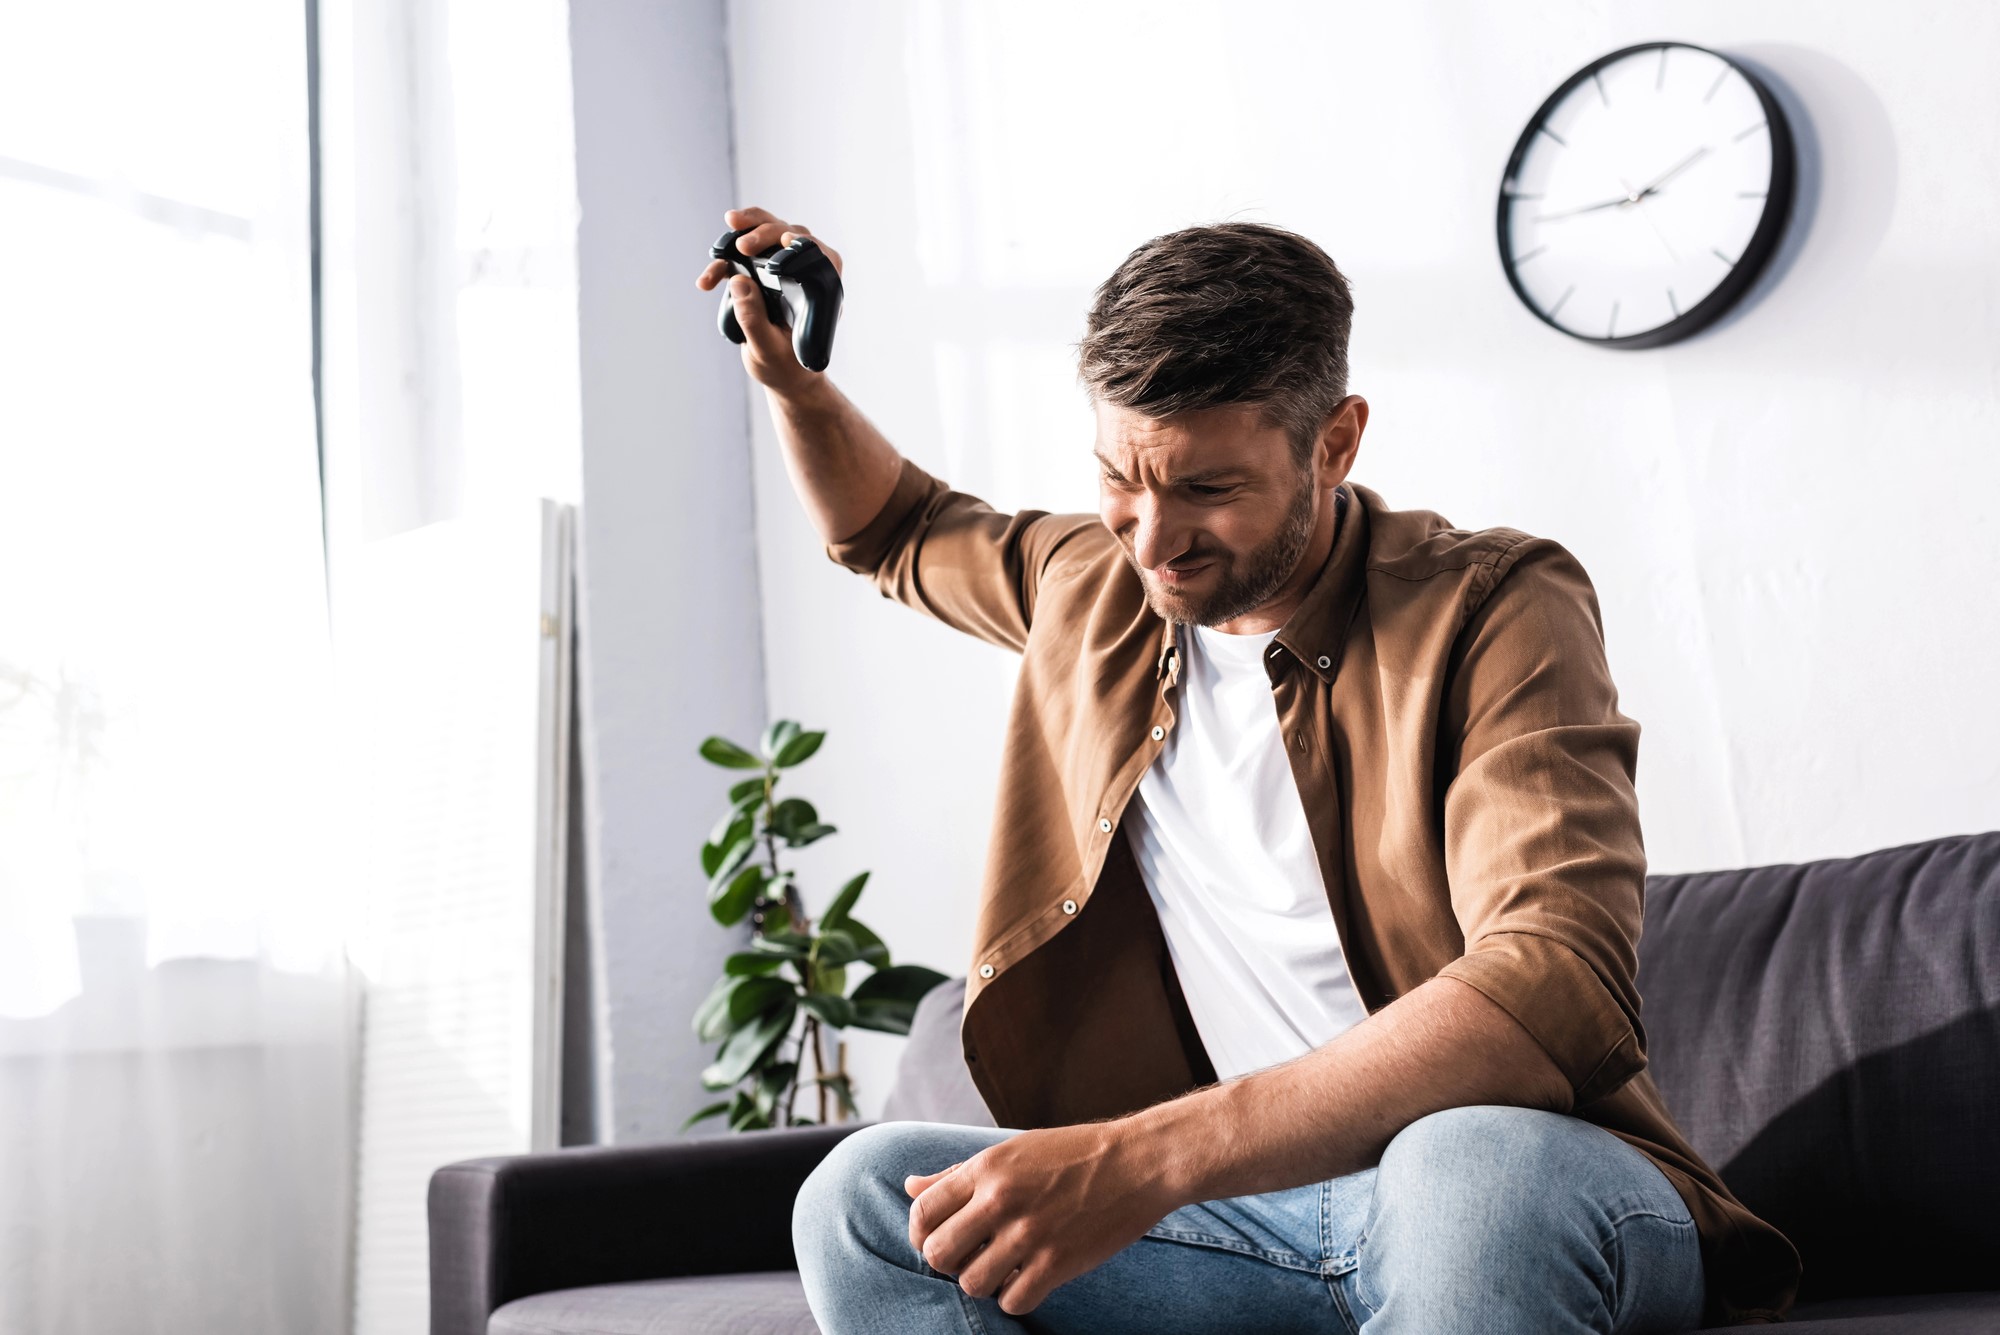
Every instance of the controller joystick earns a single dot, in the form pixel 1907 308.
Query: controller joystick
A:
pixel 801 291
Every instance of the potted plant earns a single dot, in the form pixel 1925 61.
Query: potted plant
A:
pixel 776 1001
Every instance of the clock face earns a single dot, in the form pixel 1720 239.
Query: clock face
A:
pixel 1646 194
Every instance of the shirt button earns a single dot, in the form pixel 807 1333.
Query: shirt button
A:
pixel 1069 906
pixel 1158 732
pixel 1325 662
pixel 985 971
pixel 1104 825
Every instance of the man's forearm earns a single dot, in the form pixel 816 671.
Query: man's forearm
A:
pixel 1334 1110
pixel 842 467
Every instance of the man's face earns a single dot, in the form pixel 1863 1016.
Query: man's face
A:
pixel 1209 506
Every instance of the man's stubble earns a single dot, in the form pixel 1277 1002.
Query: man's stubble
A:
pixel 1263 571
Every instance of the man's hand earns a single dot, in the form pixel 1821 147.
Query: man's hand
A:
pixel 767 348
pixel 1037 1210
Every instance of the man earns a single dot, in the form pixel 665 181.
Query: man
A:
pixel 1305 955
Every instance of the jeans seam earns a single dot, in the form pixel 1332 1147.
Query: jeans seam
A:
pixel 1614 1300
pixel 1287 1260
pixel 968 1307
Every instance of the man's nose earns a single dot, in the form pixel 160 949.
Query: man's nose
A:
pixel 1156 538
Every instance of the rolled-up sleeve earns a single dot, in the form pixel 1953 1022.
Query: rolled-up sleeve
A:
pixel 958 559
pixel 1542 841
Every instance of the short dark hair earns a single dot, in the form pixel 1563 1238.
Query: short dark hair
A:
pixel 1233 312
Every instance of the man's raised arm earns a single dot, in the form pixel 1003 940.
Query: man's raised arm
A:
pixel 938 550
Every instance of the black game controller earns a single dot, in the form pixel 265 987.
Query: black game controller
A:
pixel 801 291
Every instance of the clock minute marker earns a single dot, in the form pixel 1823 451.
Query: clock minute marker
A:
pixel 1660 79
pixel 1611 325
pixel 1724 258
pixel 1523 259
pixel 1567 293
pixel 1752 130
pixel 1553 135
pixel 1719 80
pixel 1602 95
pixel 1673 305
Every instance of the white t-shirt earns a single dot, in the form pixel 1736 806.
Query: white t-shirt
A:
pixel 1221 840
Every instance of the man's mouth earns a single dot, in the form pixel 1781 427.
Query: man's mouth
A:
pixel 1174 576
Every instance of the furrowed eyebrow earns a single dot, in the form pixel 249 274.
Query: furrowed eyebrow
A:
pixel 1181 480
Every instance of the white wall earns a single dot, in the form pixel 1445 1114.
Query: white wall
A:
pixel 668 566
pixel 1790 519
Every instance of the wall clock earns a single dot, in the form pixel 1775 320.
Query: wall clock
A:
pixel 1645 195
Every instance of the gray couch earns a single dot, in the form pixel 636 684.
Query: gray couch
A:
pixel 1827 1035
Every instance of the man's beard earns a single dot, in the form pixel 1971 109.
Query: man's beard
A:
pixel 1264 571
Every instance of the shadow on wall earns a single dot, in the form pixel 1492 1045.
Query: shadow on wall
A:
pixel 1885 1174
pixel 1846 151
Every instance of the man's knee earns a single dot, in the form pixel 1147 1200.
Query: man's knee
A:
pixel 1484 1148
pixel 1470 1193
pixel 855 1198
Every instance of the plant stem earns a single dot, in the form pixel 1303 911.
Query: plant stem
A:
pixel 809 1037
pixel 818 1071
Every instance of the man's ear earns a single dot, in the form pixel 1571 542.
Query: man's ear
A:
pixel 1340 440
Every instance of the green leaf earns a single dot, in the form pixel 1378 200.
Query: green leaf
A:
pixel 791 815
pixel 887 999
pixel 771 1083
pixel 712 1110
pixel 778 736
pixel 837 1012
pixel 731 826
pixel 711 1017
pixel 835 948
pixel 745 963
pixel 743 1114
pixel 733 858
pixel 748 789
pixel 808 834
pixel 747 1046
pixel 789 945
pixel 904 982
pixel 711 858
pixel 733 900
pixel 888 1017
pixel 843 1090
pixel 843 903
pixel 799 750
pixel 870 946
pixel 722 751
pixel 753 997
pixel 830 981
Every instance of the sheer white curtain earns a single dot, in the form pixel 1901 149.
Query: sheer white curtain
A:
pixel 175 1018
pixel 451 402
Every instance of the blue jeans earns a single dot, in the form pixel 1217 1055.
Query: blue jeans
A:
pixel 1495 1220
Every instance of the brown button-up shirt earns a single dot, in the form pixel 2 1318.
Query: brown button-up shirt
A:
pixel 1454 732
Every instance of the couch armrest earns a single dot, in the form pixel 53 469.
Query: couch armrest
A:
pixel 507 1227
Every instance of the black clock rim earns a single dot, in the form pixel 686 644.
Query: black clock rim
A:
pixel 1763 241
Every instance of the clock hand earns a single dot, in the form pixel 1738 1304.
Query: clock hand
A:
pixel 1588 208
pixel 1672 172
pixel 1636 195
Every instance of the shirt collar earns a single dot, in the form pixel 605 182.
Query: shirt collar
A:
pixel 1317 629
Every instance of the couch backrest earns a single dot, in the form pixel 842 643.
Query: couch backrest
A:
pixel 1828 1037
pixel 932 1082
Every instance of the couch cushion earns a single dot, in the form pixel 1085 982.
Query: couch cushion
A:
pixel 1828 1036
pixel 932 1082
pixel 1929 1314
pixel 768 1303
